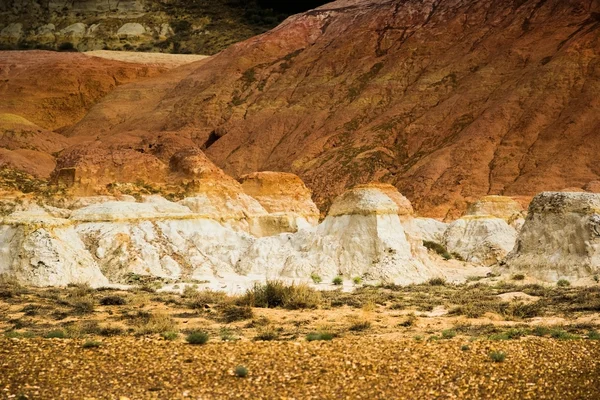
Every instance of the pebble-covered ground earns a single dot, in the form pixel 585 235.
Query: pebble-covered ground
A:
pixel 343 368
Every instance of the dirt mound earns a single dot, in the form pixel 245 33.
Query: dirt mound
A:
pixel 447 101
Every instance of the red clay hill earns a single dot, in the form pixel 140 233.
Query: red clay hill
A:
pixel 448 100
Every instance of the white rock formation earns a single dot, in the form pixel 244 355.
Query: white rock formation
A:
pixel 361 236
pixel 75 31
pixel 480 239
pixel 560 238
pixel 40 250
pixel 426 229
pixel 131 30
pixel 209 237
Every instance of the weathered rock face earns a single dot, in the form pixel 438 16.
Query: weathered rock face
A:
pixel 560 238
pixel 40 250
pixel 481 240
pixel 361 236
pixel 285 197
pixel 425 229
pixel 354 92
pixel 101 240
pixel 502 207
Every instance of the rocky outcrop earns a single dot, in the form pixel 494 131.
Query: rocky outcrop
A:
pixel 103 240
pixel 560 238
pixel 365 91
pixel 480 239
pixel 40 250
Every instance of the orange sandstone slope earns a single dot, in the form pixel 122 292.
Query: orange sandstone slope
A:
pixel 42 93
pixel 448 100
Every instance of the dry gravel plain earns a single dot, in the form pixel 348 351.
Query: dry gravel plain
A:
pixel 489 339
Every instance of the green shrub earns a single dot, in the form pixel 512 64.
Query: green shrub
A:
pixel 357 280
pixel 56 334
pixel 267 334
pixel 83 305
pixel 338 281
pixel 232 313
pixel 319 336
pixel 240 371
pixel 593 335
pixel 438 248
pixel 197 338
pixel 316 278
pixel 90 344
pixel 448 334
pixel 563 283
pixel 274 294
pixel 497 356
pixel 169 335
pixel 437 282
pixel 518 277
pixel 465 347
pixel 360 326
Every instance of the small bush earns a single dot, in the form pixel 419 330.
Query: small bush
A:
pixel 113 301
pixel 267 334
pixel 83 305
pixel 448 334
pixel 110 331
pixel 338 281
pixel 240 371
pixel 563 283
pixel 437 282
pixel 593 335
pixel 438 248
pixel 169 335
pixel 90 344
pixel 562 335
pixel 497 356
pixel 277 294
pixel 357 280
pixel 465 347
pixel 227 335
pixel 56 334
pixel 509 334
pixel 232 313
pixel 518 277
pixel 148 324
pixel 410 320
pixel 197 338
pixel 316 278
pixel 319 336
pixel 360 326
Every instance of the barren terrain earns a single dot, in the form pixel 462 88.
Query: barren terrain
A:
pixel 487 339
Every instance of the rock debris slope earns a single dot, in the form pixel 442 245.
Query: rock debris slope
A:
pixel 449 101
